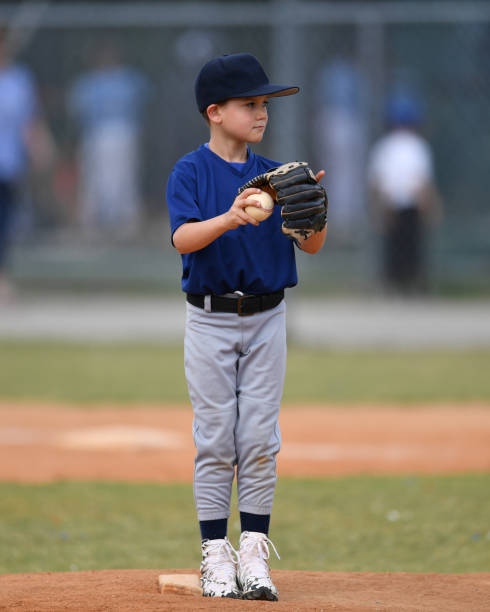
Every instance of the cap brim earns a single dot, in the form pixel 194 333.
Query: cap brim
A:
pixel 274 91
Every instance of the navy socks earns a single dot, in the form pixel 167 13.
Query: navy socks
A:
pixel 217 529
pixel 213 530
pixel 255 522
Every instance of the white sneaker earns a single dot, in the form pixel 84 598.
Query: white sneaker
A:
pixel 253 567
pixel 218 569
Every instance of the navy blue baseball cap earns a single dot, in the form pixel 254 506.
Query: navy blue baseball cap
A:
pixel 239 75
pixel 404 109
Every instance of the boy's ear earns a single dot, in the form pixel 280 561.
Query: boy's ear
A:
pixel 213 113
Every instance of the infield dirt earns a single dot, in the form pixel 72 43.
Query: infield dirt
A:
pixel 42 443
pixel 137 591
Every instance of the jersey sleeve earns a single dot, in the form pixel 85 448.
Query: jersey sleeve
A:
pixel 182 198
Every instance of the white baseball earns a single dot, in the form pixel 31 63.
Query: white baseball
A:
pixel 266 206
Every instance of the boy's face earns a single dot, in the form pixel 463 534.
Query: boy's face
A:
pixel 243 119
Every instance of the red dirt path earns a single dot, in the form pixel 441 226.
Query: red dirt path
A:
pixel 45 443
pixel 42 443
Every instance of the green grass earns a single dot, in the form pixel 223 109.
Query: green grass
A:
pixel 418 524
pixel 129 373
pixel 92 372
pixel 415 524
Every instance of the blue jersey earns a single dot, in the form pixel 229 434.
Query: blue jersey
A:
pixel 102 96
pixel 252 259
pixel 18 108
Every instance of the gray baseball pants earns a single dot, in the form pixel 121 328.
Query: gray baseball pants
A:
pixel 235 368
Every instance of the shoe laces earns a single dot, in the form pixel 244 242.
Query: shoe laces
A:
pixel 254 553
pixel 219 559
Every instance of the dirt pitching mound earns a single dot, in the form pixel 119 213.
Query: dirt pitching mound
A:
pixel 131 590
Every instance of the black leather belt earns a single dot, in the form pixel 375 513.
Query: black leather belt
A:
pixel 242 304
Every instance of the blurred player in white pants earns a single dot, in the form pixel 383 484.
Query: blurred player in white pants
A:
pixel 108 103
pixel 405 199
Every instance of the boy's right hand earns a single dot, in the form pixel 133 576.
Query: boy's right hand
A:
pixel 236 214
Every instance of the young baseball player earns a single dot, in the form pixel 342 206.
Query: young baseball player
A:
pixel 235 270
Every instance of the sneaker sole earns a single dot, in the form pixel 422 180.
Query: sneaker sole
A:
pixel 227 596
pixel 262 593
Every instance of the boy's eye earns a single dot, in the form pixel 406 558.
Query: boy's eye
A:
pixel 253 104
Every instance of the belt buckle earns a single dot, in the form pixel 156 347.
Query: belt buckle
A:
pixel 239 305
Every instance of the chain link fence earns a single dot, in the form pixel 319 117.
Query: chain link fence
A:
pixel 347 59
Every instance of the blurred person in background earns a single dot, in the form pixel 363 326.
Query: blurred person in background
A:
pixel 405 201
pixel 24 142
pixel 108 103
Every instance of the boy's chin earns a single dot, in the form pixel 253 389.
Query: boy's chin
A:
pixel 256 137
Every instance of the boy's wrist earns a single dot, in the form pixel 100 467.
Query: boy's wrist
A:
pixel 225 221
